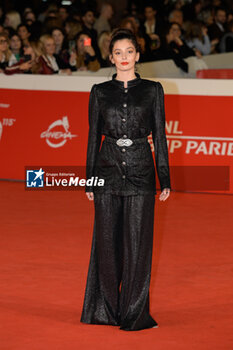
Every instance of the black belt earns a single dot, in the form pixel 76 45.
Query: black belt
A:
pixel 122 142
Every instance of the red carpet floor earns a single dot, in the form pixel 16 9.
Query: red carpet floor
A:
pixel 44 255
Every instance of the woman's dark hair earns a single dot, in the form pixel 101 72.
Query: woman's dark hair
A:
pixel 178 24
pixel 23 24
pixel 195 31
pixel 163 37
pixel 65 43
pixel 12 33
pixel 77 36
pixel 10 30
pixel 61 29
pixel 123 33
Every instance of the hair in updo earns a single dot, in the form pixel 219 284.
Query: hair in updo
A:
pixel 123 33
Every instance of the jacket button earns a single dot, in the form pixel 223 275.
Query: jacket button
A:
pixel 125 105
pixel 123 176
pixel 125 136
pixel 123 149
pixel 123 163
pixel 123 119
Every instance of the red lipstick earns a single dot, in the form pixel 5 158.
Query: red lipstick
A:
pixel 124 63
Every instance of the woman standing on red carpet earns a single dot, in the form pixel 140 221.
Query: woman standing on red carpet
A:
pixel 125 109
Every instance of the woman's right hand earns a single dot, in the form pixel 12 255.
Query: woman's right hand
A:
pixel 90 196
pixel 89 49
pixel 198 53
pixel 26 65
pixel 204 31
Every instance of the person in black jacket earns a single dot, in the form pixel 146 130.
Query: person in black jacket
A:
pixel 125 109
pixel 226 43
pixel 218 28
pixel 52 63
pixel 61 44
pixel 173 47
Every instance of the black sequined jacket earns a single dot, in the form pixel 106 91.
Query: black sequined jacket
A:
pixel 131 112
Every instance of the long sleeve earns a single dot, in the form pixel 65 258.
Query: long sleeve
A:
pixel 94 135
pixel 159 139
pixel 205 47
pixel 185 51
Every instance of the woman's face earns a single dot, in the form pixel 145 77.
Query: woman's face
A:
pixel 3 44
pixel 15 42
pixel 80 42
pixel 23 33
pixel 58 37
pixel 175 30
pixel 49 46
pixel 124 51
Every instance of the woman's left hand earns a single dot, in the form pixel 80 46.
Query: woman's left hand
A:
pixel 90 50
pixel 198 53
pixel 178 41
pixel 164 194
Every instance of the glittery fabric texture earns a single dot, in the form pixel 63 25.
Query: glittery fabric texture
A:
pixel 117 288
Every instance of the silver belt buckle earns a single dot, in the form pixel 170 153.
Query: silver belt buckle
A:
pixel 124 142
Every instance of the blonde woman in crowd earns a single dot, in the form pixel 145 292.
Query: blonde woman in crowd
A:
pixel 84 58
pixel 12 19
pixel 103 43
pixel 5 52
pixel 50 62
pixel 29 63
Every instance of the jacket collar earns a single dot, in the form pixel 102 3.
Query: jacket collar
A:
pixel 130 83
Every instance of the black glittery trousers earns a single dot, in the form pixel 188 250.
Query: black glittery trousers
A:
pixel 118 280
